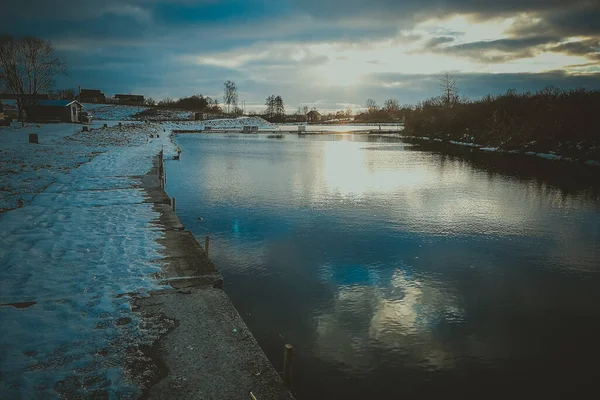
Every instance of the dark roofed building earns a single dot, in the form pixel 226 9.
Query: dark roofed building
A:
pixel 313 116
pixel 132 99
pixel 91 96
pixel 55 110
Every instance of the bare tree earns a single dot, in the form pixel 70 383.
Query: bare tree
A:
pixel 449 91
pixel 392 106
pixel 371 105
pixel 67 94
pixel 231 95
pixel 305 110
pixel 279 106
pixel 28 67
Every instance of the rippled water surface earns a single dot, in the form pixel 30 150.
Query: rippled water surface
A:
pixel 400 272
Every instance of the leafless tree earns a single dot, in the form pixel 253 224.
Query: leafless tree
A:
pixel 371 105
pixel 392 106
pixel 449 91
pixel 66 94
pixel 231 95
pixel 28 67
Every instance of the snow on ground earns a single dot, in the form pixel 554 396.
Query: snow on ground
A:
pixel 69 258
pixel 166 114
pixel 223 124
pixel 29 168
pixel 467 144
pixel 112 112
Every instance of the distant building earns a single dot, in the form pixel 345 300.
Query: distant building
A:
pixel 313 116
pixel 131 99
pixel 91 96
pixel 54 110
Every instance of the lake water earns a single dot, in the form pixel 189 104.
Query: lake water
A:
pixel 400 272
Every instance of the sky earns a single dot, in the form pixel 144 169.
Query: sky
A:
pixel 320 53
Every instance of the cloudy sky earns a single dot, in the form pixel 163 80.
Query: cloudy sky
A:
pixel 324 53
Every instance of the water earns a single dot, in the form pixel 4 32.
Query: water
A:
pixel 400 272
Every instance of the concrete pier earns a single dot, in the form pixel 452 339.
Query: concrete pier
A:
pixel 207 351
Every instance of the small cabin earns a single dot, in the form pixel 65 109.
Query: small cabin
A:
pixel 54 110
pixel 130 99
pixel 313 116
pixel 91 96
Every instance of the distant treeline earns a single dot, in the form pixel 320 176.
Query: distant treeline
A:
pixel 196 102
pixel 564 121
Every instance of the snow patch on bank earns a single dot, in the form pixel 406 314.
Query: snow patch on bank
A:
pixel 112 112
pixel 222 124
pixel 467 144
pixel 69 259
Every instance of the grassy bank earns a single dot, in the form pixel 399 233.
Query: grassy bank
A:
pixel 550 121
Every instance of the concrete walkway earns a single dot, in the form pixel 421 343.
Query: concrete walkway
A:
pixel 208 352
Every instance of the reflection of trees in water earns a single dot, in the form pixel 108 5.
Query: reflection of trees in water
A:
pixel 569 179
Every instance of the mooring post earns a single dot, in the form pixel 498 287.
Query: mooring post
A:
pixel 173 203
pixel 84 129
pixel 33 138
pixel 288 354
pixel 106 125
pixel 206 244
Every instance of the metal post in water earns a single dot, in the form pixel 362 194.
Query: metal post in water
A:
pixel 288 355
pixel 173 203
pixel 206 244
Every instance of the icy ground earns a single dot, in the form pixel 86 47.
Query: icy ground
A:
pixel 224 124
pixel 112 112
pixel 80 245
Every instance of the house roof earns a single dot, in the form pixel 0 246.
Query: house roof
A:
pixel 313 112
pixel 91 92
pixel 57 103
pixel 128 95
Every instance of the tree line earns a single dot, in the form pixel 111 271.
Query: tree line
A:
pixel 551 119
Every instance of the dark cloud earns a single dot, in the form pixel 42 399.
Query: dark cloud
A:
pixel 501 50
pixel 436 41
pixel 424 9
pixel 134 45
pixel 577 19
pixel 589 48
pixel 408 87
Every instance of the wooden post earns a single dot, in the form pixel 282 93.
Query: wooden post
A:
pixel 33 138
pixel 288 355
pixel 206 244
pixel 173 203
pixel 106 125
pixel 84 129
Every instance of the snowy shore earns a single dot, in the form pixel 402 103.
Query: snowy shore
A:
pixel 79 243
pixel 92 277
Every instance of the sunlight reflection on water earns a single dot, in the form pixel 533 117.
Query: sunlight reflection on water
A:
pixel 384 262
